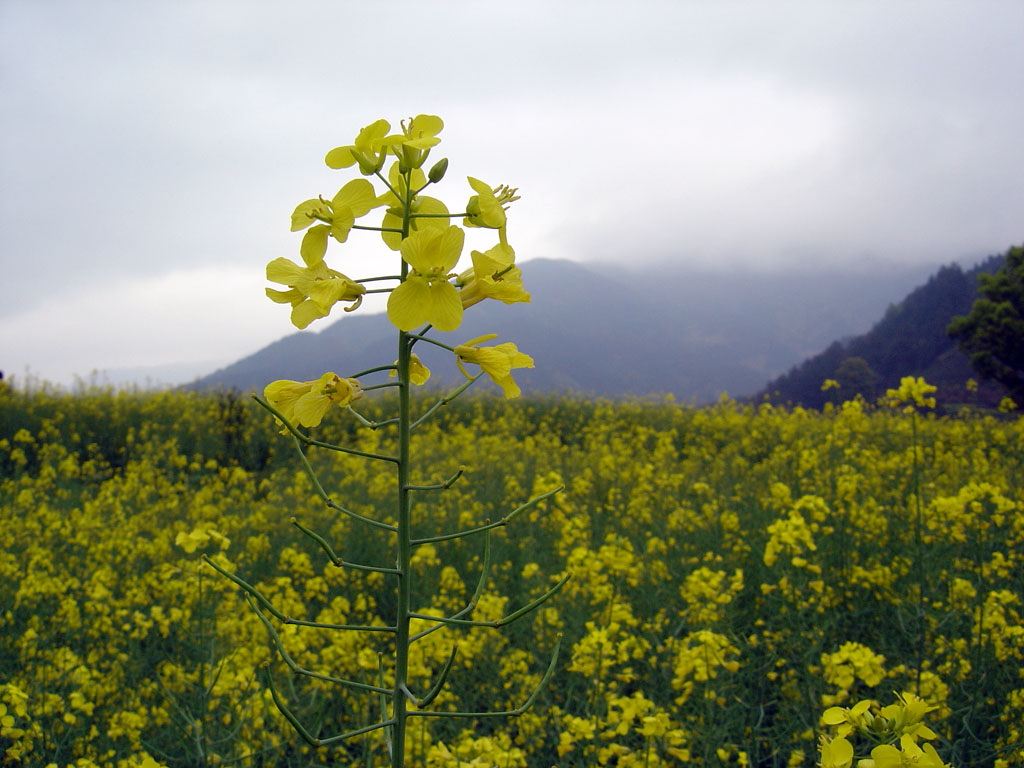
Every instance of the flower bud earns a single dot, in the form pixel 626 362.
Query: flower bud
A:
pixel 437 171
pixel 367 163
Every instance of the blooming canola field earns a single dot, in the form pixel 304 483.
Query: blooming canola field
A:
pixel 735 571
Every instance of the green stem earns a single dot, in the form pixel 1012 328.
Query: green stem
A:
pixel 399 702
pixel 386 385
pixel 435 342
pixel 376 369
pixel 376 229
pixel 319 444
pixel 445 400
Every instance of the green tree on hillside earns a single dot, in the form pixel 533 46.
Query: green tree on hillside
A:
pixel 993 332
pixel 855 377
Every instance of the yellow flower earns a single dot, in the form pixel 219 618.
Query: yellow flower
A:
pixel 912 390
pixel 419 135
pixel 418 373
pixel 371 140
pixel 420 204
pixel 493 276
pixel 426 296
pixel 306 402
pixel 355 199
pixel 497 362
pixel 374 143
pixel 836 753
pixel 483 208
pixel 313 290
pixel 486 207
pixel 909 754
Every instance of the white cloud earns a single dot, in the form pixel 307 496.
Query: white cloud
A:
pixel 210 315
pixel 148 145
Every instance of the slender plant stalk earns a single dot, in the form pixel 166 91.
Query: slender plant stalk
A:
pixel 296 404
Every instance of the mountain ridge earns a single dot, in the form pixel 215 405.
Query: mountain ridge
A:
pixel 608 332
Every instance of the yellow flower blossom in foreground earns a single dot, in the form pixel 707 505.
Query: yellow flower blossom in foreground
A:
pixel 908 754
pixel 353 200
pixel 313 290
pixel 306 402
pixel 484 209
pixel 366 150
pixel 425 212
pixel 426 296
pixel 497 362
pixel 836 753
pixel 493 276
pixel 418 136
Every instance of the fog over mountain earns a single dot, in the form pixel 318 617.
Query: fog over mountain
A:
pixel 608 331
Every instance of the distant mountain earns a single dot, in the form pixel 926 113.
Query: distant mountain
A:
pixel 909 340
pixel 608 331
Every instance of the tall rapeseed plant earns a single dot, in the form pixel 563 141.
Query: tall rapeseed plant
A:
pixel 424 293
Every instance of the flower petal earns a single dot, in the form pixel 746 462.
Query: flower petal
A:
pixel 314 245
pixel 408 303
pixel 445 312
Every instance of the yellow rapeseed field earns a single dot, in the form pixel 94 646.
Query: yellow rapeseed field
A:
pixel 737 571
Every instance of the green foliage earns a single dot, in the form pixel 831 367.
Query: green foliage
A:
pixel 993 332
pixel 856 378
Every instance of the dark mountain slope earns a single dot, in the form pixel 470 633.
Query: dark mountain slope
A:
pixel 909 340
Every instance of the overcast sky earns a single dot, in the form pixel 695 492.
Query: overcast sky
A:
pixel 152 152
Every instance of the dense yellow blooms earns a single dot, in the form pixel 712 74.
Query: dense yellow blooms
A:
pixel 737 571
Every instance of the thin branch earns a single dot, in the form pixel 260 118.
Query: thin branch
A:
pixel 508 712
pixel 445 400
pixel 377 229
pixel 335 560
pixel 373 425
pixel 489 526
pixel 387 184
pixel 250 589
pixel 484 572
pixel 385 385
pixel 414 337
pixel 388 732
pixel 302 670
pixel 437 486
pixel 435 689
pixel 319 444
pixel 423 337
pixel 331 503
pixel 357 732
pixel 504 619
pixel 376 369
pixel 283 708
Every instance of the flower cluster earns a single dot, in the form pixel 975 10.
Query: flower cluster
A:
pixel 679 640
pixel 914 391
pixel 430 292
pixel 892 733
